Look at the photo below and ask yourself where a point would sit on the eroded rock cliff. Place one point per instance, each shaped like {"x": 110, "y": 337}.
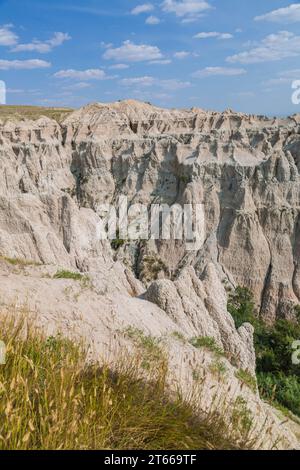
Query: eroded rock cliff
{"x": 244, "y": 170}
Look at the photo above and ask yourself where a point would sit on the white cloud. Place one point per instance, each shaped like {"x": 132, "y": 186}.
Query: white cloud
{"x": 181, "y": 54}
{"x": 90, "y": 74}
{"x": 290, "y": 14}
{"x": 218, "y": 71}
{"x": 43, "y": 47}
{"x": 78, "y": 86}
{"x": 7, "y": 36}
{"x": 146, "y": 81}
{"x": 119, "y": 67}
{"x": 274, "y": 47}
{"x": 284, "y": 78}
{"x": 213, "y": 34}
{"x": 161, "y": 62}
{"x": 15, "y": 91}
{"x": 23, "y": 64}
{"x": 189, "y": 10}
{"x": 130, "y": 52}
{"x": 152, "y": 20}
{"x": 173, "y": 84}
{"x": 138, "y": 81}
{"x": 145, "y": 8}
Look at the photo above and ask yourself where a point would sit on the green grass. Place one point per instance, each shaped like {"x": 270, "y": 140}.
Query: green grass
{"x": 179, "y": 336}
{"x": 246, "y": 378}
{"x": 148, "y": 346}
{"x": 218, "y": 368}
{"x": 51, "y": 399}
{"x": 19, "y": 261}
{"x": 70, "y": 275}
{"x": 20, "y": 113}
{"x": 207, "y": 343}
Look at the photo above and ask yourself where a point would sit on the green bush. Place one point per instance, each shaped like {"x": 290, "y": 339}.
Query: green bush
{"x": 281, "y": 389}
{"x": 117, "y": 243}
{"x": 241, "y": 306}
{"x": 278, "y": 378}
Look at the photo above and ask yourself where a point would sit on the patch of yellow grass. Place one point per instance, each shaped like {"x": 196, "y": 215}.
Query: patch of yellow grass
{"x": 32, "y": 112}
{"x": 51, "y": 399}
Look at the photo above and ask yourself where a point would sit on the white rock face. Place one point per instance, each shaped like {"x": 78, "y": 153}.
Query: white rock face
{"x": 243, "y": 169}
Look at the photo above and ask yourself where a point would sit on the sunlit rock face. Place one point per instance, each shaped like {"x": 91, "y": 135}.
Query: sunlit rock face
{"x": 242, "y": 170}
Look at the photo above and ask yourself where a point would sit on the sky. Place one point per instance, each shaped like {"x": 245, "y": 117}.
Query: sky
{"x": 212, "y": 54}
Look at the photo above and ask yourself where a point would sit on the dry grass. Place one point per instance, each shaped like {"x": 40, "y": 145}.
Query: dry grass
{"x": 19, "y": 262}
{"x": 50, "y": 399}
{"x": 20, "y": 113}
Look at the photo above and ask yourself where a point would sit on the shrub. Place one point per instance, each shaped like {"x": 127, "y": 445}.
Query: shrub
{"x": 278, "y": 378}
{"x": 117, "y": 243}
{"x": 297, "y": 312}
{"x": 241, "y": 306}
{"x": 281, "y": 389}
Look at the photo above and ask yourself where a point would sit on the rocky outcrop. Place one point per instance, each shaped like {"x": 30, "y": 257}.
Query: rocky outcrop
{"x": 199, "y": 308}
{"x": 243, "y": 169}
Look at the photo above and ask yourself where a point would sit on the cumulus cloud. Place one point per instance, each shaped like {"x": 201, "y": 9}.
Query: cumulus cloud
{"x": 284, "y": 78}
{"x": 43, "y": 47}
{"x": 152, "y": 20}
{"x": 161, "y": 62}
{"x": 174, "y": 84}
{"x": 274, "y": 47}
{"x": 90, "y": 74}
{"x": 140, "y": 81}
{"x": 77, "y": 86}
{"x": 182, "y": 54}
{"x": 130, "y": 52}
{"x": 23, "y": 64}
{"x": 144, "y": 8}
{"x": 218, "y": 71}
{"x": 213, "y": 34}
{"x": 290, "y": 14}
{"x": 148, "y": 81}
{"x": 188, "y": 10}
{"x": 7, "y": 36}
{"x": 119, "y": 67}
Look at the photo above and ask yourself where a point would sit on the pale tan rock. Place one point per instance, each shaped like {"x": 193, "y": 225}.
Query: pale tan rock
{"x": 244, "y": 169}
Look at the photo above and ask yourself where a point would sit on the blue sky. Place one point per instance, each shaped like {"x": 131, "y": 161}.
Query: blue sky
{"x": 214, "y": 54}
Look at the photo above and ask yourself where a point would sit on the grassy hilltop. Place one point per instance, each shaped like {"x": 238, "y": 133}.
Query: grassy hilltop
{"x": 32, "y": 112}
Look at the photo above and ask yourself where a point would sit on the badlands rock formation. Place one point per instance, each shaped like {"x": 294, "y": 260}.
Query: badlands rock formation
{"x": 244, "y": 170}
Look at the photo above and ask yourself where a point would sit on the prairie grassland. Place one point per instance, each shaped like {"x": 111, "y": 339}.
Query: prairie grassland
{"x": 20, "y": 113}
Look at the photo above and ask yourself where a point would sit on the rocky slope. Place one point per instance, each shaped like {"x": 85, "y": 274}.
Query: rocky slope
{"x": 243, "y": 169}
